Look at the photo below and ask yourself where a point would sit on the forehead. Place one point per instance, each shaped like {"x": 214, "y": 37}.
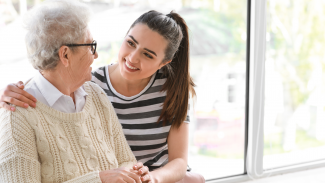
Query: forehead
{"x": 148, "y": 38}
{"x": 89, "y": 35}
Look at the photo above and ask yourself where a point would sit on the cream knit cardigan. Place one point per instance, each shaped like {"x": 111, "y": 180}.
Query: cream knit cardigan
{"x": 46, "y": 145}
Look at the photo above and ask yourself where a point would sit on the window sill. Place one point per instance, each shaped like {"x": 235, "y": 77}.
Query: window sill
{"x": 299, "y": 173}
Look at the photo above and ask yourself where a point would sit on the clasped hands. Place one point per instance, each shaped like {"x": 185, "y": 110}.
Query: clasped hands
{"x": 137, "y": 174}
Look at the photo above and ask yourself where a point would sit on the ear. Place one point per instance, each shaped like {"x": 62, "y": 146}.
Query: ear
{"x": 163, "y": 64}
{"x": 65, "y": 55}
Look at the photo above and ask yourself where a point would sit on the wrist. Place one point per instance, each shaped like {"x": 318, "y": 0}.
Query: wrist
{"x": 101, "y": 175}
{"x": 154, "y": 177}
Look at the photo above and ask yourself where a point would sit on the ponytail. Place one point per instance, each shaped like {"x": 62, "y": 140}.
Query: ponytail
{"x": 179, "y": 83}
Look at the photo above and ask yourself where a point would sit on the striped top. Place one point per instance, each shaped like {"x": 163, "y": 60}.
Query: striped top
{"x": 138, "y": 116}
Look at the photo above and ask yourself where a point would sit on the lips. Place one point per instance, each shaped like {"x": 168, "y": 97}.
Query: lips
{"x": 129, "y": 66}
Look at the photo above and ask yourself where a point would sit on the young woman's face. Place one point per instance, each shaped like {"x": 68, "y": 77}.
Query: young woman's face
{"x": 141, "y": 53}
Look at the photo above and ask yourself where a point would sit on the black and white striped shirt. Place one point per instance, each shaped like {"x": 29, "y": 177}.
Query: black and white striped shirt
{"x": 138, "y": 116}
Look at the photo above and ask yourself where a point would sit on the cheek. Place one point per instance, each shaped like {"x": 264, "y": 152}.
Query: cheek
{"x": 149, "y": 68}
{"x": 84, "y": 65}
{"x": 124, "y": 51}
{"x": 86, "y": 61}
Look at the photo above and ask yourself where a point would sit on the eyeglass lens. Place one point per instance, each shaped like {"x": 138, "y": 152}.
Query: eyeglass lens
{"x": 93, "y": 47}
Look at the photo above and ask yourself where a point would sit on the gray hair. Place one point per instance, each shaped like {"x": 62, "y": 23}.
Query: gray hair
{"x": 53, "y": 24}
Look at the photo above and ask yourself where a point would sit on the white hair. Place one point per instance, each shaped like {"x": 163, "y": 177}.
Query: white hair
{"x": 51, "y": 25}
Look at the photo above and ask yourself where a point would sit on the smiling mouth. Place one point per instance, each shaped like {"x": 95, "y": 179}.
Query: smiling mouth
{"x": 129, "y": 66}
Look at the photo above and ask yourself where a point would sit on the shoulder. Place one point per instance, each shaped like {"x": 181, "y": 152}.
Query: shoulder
{"x": 99, "y": 71}
{"x": 19, "y": 112}
{"x": 31, "y": 87}
{"x": 4, "y": 114}
{"x": 97, "y": 92}
{"x": 99, "y": 75}
{"x": 160, "y": 74}
{"x": 160, "y": 79}
{"x": 94, "y": 87}
{"x": 20, "y": 119}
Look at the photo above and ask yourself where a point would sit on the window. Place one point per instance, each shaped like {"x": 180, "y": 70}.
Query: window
{"x": 294, "y": 117}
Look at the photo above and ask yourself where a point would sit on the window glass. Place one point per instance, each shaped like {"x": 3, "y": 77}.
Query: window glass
{"x": 218, "y": 67}
{"x": 294, "y": 83}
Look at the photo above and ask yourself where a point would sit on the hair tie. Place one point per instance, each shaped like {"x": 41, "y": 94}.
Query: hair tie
{"x": 170, "y": 16}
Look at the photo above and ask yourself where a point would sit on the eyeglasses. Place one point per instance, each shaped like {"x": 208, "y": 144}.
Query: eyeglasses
{"x": 93, "y": 46}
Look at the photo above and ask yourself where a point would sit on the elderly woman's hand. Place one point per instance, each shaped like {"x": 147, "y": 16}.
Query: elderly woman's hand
{"x": 143, "y": 171}
{"x": 119, "y": 175}
{"x": 15, "y": 94}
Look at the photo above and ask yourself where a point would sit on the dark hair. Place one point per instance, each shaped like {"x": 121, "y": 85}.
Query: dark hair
{"x": 179, "y": 82}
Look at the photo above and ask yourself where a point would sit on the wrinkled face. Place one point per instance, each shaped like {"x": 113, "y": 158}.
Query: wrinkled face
{"x": 82, "y": 58}
{"x": 141, "y": 53}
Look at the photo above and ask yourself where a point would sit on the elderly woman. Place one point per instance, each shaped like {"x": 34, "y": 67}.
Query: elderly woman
{"x": 73, "y": 134}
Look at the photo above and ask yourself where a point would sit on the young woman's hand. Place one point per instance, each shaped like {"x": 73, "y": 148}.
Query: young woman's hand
{"x": 15, "y": 94}
{"x": 143, "y": 171}
{"x": 119, "y": 175}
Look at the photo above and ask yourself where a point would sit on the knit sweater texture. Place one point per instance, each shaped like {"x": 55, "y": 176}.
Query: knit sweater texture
{"x": 45, "y": 145}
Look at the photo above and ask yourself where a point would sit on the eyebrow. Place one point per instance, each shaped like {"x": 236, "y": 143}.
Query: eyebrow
{"x": 133, "y": 39}
{"x": 144, "y": 48}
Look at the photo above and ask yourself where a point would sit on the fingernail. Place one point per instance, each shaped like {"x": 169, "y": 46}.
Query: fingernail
{"x": 12, "y": 108}
{"x": 33, "y": 105}
{"x": 135, "y": 166}
{"x": 26, "y": 105}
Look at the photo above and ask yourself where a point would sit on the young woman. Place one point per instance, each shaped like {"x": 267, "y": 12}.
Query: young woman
{"x": 149, "y": 88}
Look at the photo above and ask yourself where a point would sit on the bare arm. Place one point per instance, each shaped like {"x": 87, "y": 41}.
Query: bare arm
{"x": 15, "y": 94}
{"x": 175, "y": 169}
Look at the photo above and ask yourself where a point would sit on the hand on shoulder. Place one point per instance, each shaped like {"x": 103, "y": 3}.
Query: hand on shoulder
{"x": 15, "y": 94}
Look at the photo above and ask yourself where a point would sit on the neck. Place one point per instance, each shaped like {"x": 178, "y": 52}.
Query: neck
{"x": 126, "y": 87}
{"x": 61, "y": 80}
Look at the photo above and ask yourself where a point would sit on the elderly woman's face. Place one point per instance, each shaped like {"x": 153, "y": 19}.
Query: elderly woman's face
{"x": 81, "y": 60}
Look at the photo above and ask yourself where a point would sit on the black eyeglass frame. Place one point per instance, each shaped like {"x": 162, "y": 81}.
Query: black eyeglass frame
{"x": 94, "y": 43}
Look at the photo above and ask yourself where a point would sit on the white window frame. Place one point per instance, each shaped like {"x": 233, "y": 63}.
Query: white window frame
{"x": 256, "y": 80}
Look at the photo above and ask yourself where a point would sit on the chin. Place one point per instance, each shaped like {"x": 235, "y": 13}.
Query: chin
{"x": 125, "y": 75}
{"x": 88, "y": 77}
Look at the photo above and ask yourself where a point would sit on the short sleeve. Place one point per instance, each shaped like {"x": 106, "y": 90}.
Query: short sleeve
{"x": 187, "y": 120}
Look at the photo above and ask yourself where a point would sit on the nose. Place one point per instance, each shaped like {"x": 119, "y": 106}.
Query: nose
{"x": 96, "y": 55}
{"x": 134, "y": 57}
